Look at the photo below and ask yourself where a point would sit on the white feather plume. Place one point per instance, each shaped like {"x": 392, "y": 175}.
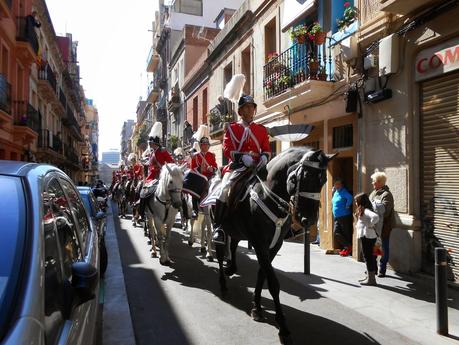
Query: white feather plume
{"x": 196, "y": 146}
{"x": 233, "y": 89}
{"x": 179, "y": 151}
{"x": 156, "y": 130}
{"x": 132, "y": 156}
{"x": 203, "y": 131}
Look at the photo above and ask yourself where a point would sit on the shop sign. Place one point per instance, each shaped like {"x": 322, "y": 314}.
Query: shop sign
{"x": 437, "y": 60}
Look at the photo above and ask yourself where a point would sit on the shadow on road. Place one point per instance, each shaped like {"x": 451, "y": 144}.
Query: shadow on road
{"x": 153, "y": 317}
{"x": 305, "y": 327}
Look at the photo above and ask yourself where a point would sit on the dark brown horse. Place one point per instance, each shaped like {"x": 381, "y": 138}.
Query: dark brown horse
{"x": 295, "y": 178}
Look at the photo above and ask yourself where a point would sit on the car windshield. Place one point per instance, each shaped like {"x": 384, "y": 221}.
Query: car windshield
{"x": 12, "y": 235}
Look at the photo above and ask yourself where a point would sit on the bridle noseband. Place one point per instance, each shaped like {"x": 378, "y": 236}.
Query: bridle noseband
{"x": 304, "y": 162}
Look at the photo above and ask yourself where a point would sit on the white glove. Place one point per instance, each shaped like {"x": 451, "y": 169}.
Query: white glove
{"x": 263, "y": 161}
{"x": 247, "y": 160}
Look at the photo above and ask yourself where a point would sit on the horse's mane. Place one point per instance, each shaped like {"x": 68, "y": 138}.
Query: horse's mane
{"x": 284, "y": 160}
{"x": 175, "y": 172}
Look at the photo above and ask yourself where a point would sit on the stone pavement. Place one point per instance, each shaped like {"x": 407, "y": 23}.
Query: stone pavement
{"x": 402, "y": 303}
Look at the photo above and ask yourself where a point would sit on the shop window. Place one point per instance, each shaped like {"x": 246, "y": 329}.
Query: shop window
{"x": 342, "y": 137}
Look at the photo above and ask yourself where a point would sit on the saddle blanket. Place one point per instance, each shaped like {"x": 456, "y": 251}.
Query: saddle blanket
{"x": 148, "y": 189}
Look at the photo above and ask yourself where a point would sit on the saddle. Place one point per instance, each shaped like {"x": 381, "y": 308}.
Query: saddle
{"x": 240, "y": 185}
{"x": 148, "y": 189}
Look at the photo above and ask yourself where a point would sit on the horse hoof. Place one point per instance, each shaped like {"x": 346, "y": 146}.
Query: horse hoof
{"x": 203, "y": 250}
{"x": 154, "y": 255}
{"x": 257, "y": 315}
{"x": 286, "y": 339}
{"x": 149, "y": 242}
{"x": 210, "y": 259}
{"x": 165, "y": 263}
{"x": 190, "y": 243}
{"x": 229, "y": 271}
{"x": 134, "y": 225}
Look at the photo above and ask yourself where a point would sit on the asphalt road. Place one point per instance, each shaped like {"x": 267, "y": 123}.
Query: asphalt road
{"x": 181, "y": 304}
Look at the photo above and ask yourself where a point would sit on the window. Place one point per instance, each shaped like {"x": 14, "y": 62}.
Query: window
{"x": 195, "y": 113}
{"x": 342, "y": 137}
{"x": 61, "y": 247}
{"x": 227, "y": 74}
{"x": 78, "y": 211}
{"x": 193, "y": 7}
{"x": 246, "y": 69}
{"x": 204, "y": 106}
{"x": 270, "y": 38}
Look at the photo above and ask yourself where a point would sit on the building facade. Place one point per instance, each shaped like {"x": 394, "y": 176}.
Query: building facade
{"x": 111, "y": 157}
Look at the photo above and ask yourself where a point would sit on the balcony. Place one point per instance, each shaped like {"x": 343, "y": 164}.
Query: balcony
{"x": 152, "y": 60}
{"x": 49, "y": 141}
{"x": 5, "y": 8}
{"x": 71, "y": 155}
{"x": 153, "y": 91}
{"x": 26, "y": 122}
{"x": 27, "y": 40}
{"x": 219, "y": 115}
{"x": 62, "y": 99}
{"x": 47, "y": 83}
{"x": 5, "y": 100}
{"x": 405, "y": 7}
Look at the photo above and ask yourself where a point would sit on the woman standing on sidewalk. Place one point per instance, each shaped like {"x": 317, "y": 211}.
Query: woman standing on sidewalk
{"x": 366, "y": 221}
{"x": 342, "y": 213}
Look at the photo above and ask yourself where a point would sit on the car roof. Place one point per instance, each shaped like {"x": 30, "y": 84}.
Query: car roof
{"x": 17, "y": 168}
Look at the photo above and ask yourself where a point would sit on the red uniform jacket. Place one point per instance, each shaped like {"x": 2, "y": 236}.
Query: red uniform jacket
{"x": 201, "y": 162}
{"x": 240, "y": 138}
{"x": 157, "y": 159}
{"x": 136, "y": 172}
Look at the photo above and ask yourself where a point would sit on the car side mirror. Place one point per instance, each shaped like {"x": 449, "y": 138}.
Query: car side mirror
{"x": 100, "y": 215}
{"x": 84, "y": 282}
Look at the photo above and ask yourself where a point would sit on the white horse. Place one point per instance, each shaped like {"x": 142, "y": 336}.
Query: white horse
{"x": 162, "y": 207}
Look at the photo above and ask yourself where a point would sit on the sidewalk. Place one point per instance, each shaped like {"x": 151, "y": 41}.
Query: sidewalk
{"x": 117, "y": 324}
{"x": 405, "y": 304}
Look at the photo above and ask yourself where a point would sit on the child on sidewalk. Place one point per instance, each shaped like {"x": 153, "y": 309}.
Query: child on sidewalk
{"x": 366, "y": 221}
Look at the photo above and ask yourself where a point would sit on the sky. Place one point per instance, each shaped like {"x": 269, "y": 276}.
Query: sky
{"x": 113, "y": 45}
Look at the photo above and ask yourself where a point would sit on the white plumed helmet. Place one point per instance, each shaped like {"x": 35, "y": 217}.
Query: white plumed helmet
{"x": 233, "y": 89}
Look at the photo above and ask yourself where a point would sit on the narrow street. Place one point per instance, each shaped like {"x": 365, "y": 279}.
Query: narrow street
{"x": 181, "y": 304}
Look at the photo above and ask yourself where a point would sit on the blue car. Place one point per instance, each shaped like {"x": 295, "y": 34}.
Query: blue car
{"x": 49, "y": 258}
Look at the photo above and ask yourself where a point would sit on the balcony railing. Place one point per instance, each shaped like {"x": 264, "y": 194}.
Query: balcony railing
{"x": 26, "y": 32}
{"x": 46, "y": 73}
{"x": 152, "y": 60}
{"x": 5, "y": 95}
{"x": 25, "y": 115}
{"x": 45, "y": 139}
{"x": 295, "y": 65}
{"x": 71, "y": 154}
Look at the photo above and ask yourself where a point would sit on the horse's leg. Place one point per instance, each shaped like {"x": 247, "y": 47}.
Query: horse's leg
{"x": 231, "y": 264}
{"x": 264, "y": 261}
{"x": 151, "y": 234}
{"x": 191, "y": 237}
{"x": 257, "y": 311}
{"x": 220, "y": 250}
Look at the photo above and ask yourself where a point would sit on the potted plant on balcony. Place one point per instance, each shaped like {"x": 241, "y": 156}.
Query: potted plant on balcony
{"x": 349, "y": 16}
{"x": 316, "y": 34}
{"x": 298, "y": 34}
{"x": 284, "y": 82}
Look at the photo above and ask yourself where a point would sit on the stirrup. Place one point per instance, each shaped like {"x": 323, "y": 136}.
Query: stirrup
{"x": 219, "y": 236}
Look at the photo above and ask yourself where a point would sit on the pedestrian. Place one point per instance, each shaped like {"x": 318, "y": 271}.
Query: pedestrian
{"x": 366, "y": 233}
{"x": 342, "y": 213}
{"x": 382, "y": 194}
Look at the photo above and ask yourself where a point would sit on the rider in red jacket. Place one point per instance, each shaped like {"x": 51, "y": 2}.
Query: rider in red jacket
{"x": 246, "y": 145}
{"x": 204, "y": 162}
{"x": 158, "y": 157}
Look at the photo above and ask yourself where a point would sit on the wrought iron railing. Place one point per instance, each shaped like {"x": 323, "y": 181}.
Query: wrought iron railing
{"x": 26, "y": 115}
{"x": 71, "y": 154}
{"x": 295, "y": 65}
{"x": 5, "y": 94}
{"x": 44, "y": 139}
{"x": 46, "y": 73}
{"x": 26, "y": 31}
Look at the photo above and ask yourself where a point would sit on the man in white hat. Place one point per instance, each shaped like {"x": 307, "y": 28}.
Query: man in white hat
{"x": 159, "y": 155}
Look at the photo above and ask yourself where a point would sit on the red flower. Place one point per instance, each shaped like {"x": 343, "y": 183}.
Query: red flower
{"x": 311, "y": 37}
{"x": 347, "y": 4}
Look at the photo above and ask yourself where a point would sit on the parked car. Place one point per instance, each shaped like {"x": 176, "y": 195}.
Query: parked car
{"x": 49, "y": 259}
{"x": 98, "y": 217}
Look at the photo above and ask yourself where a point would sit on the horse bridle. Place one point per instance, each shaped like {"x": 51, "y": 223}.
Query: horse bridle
{"x": 304, "y": 162}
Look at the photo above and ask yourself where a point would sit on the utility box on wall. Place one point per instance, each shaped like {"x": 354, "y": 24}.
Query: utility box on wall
{"x": 389, "y": 55}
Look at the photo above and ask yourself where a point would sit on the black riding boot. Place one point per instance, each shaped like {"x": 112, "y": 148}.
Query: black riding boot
{"x": 194, "y": 213}
{"x": 218, "y": 234}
